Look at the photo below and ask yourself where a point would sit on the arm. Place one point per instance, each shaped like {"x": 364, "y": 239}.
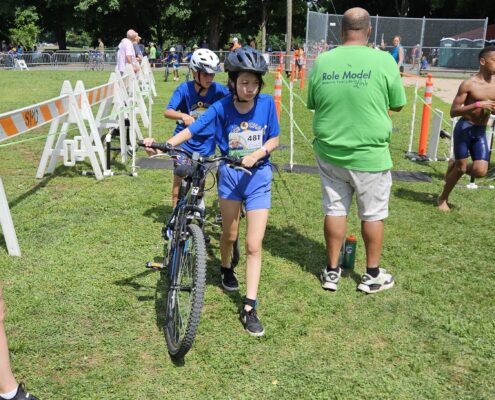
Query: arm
{"x": 183, "y": 136}
{"x": 251, "y": 159}
{"x": 458, "y": 108}
{"x": 401, "y": 56}
{"x": 177, "y": 115}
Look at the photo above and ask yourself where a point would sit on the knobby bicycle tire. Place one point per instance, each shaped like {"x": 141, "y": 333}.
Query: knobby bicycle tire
{"x": 188, "y": 287}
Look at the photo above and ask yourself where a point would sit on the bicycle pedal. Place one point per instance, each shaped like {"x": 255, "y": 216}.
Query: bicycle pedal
{"x": 154, "y": 265}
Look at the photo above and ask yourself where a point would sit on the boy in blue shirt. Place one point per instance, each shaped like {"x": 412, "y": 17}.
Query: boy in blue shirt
{"x": 189, "y": 101}
{"x": 173, "y": 60}
{"x": 244, "y": 124}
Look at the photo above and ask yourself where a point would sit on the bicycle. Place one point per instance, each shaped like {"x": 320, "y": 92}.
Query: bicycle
{"x": 185, "y": 255}
{"x": 94, "y": 61}
{"x": 167, "y": 71}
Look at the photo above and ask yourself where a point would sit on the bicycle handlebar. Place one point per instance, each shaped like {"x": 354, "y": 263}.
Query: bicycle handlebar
{"x": 232, "y": 161}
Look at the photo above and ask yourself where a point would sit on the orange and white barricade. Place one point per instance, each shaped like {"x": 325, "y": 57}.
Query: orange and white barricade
{"x": 78, "y": 148}
{"x": 8, "y": 225}
{"x": 277, "y": 93}
{"x": 425, "y": 119}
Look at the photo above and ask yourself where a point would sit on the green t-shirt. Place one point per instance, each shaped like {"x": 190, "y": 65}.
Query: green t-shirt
{"x": 351, "y": 90}
{"x": 152, "y": 52}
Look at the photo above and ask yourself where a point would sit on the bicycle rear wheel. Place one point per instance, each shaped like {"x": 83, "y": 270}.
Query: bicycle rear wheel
{"x": 186, "y": 292}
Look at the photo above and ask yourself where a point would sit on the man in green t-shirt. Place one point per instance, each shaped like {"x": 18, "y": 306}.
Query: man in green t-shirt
{"x": 152, "y": 55}
{"x": 352, "y": 89}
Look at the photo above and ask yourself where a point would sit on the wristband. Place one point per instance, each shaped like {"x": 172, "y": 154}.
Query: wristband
{"x": 478, "y": 104}
{"x": 267, "y": 153}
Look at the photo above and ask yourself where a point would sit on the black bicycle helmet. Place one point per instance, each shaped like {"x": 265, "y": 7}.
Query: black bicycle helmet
{"x": 246, "y": 59}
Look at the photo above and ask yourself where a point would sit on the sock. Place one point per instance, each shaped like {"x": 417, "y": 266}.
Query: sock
{"x": 333, "y": 269}
{"x": 373, "y": 272}
{"x": 9, "y": 395}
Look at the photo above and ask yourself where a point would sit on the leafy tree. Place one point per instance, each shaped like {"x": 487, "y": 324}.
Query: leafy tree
{"x": 25, "y": 30}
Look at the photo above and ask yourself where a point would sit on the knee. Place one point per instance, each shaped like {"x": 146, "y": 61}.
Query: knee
{"x": 479, "y": 172}
{"x": 253, "y": 248}
{"x": 461, "y": 169}
{"x": 229, "y": 236}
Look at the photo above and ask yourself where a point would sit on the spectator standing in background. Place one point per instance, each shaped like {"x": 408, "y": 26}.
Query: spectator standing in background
{"x": 397, "y": 52}
{"x": 180, "y": 50}
{"x": 235, "y": 44}
{"x": 138, "y": 48}
{"x": 126, "y": 54}
{"x": 203, "y": 44}
{"x": 152, "y": 54}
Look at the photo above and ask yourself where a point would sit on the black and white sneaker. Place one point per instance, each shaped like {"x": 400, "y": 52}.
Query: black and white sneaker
{"x": 383, "y": 281}
{"x": 21, "y": 394}
{"x": 251, "y": 322}
{"x": 229, "y": 281}
{"x": 329, "y": 279}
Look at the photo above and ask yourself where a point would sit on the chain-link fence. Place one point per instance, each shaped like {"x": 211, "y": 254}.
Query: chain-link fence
{"x": 442, "y": 44}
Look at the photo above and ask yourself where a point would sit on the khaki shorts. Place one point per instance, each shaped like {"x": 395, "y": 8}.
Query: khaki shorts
{"x": 338, "y": 185}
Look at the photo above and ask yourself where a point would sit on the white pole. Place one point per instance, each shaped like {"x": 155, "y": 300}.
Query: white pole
{"x": 133, "y": 124}
{"x": 7, "y": 225}
{"x": 291, "y": 122}
{"x": 149, "y": 107}
{"x": 413, "y": 118}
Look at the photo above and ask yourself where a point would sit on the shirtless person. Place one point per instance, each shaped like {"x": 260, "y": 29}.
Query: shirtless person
{"x": 474, "y": 102}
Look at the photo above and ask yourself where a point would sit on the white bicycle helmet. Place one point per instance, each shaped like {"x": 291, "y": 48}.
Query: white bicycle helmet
{"x": 172, "y": 49}
{"x": 204, "y": 60}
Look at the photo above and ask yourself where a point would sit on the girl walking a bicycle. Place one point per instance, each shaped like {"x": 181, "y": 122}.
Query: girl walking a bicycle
{"x": 242, "y": 124}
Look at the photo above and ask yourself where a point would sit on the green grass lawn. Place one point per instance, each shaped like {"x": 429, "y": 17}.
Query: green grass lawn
{"x": 85, "y": 318}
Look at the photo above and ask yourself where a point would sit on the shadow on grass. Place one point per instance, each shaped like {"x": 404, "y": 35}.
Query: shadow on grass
{"x": 422, "y": 197}
{"x": 133, "y": 283}
{"x": 298, "y": 248}
{"x": 59, "y": 171}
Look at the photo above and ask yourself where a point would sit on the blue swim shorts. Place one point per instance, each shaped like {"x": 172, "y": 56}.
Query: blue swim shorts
{"x": 470, "y": 139}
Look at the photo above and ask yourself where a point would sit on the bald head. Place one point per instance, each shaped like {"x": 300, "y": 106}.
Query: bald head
{"x": 355, "y": 19}
{"x": 131, "y": 34}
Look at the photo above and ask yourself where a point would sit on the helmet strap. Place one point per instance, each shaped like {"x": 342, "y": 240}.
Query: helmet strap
{"x": 198, "y": 82}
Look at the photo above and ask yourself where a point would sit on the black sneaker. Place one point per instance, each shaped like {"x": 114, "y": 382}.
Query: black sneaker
{"x": 21, "y": 394}
{"x": 229, "y": 281}
{"x": 251, "y": 322}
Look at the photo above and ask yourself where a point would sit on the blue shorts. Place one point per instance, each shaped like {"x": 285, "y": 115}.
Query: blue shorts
{"x": 254, "y": 190}
{"x": 470, "y": 139}
{"x": 181, "y": 159}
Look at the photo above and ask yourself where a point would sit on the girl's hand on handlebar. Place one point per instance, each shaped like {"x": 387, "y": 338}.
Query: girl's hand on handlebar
{"x": 148, "y": 142}
{"x": 248, "y": 161}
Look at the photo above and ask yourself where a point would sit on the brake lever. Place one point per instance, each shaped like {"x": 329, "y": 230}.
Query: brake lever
{"x": 241, "y": 168}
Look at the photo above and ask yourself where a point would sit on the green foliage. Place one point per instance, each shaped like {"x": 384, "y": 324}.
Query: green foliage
{"x": 25, "y": 30}
{"x": 78, "y": 39}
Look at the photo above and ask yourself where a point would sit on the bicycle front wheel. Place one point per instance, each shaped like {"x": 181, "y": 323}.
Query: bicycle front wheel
{"x": 186, "y": 292}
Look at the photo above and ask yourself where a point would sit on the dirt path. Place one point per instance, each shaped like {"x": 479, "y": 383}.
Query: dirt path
{"x": 446, "y": 89}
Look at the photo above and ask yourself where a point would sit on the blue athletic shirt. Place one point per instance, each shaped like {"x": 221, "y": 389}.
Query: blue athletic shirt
{"x": 235, "y": 133}
{"x": 172, "y": 59}
{"x": 186, "y": 100}
{"x": 395, "y": 54}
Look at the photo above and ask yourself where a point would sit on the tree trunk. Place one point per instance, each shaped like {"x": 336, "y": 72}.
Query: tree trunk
{"x": 214, "y": 34}
{"x": 61, "y": 35}
{"x": 264, "y": 21}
